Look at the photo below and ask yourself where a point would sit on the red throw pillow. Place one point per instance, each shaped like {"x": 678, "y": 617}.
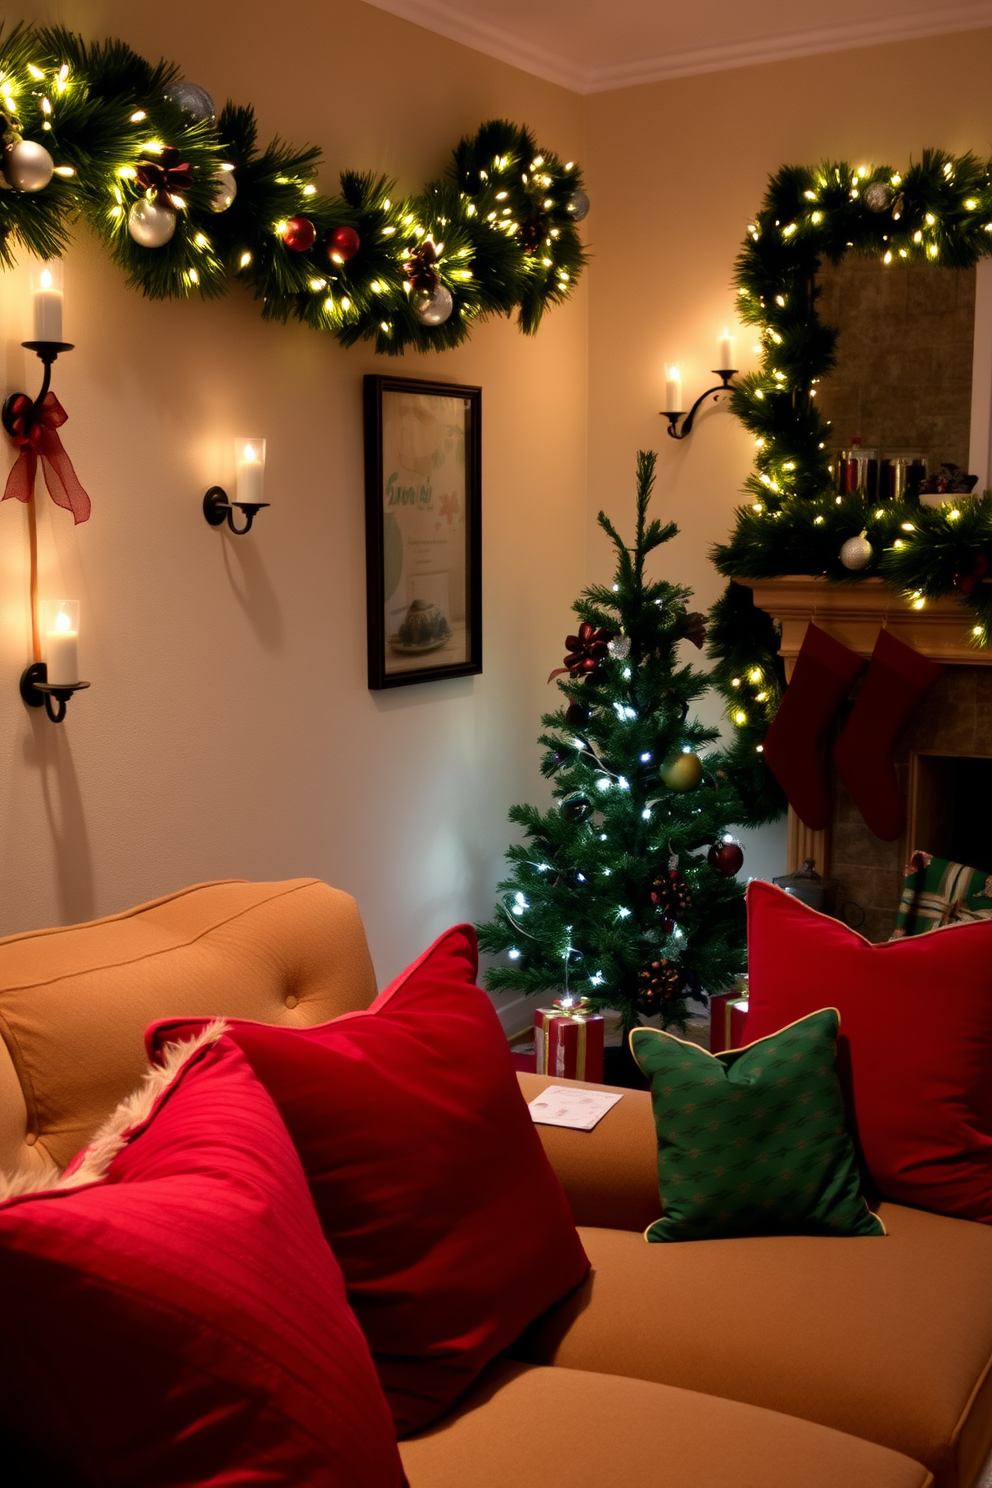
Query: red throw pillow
{"x": 172, "y": 1312}
{"x": 448, "y": 1222}
{"x": 916, "y": 1028}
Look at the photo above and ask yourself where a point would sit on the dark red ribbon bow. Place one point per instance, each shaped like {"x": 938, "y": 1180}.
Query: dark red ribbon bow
{"x": 966, "y": 580}
{"x": 36, "y": 436}
{"x": 419, "y": 268}
{"x": 585, "y": 652}
{"x": 167, "y": 176}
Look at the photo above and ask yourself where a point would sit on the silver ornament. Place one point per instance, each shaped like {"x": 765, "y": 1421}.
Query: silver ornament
{"x": 28, "y": 166}
{"x": 432, "y": 307}
{"x": 619, "y": 648}
{"x": 149, "y": 224}
{"x": 225, "y": 190}
{"x": 577, "y": 206}
{"x": 877, "y": 197}
{"x": 192, "y": 99}
{"x": 856, "y": 552}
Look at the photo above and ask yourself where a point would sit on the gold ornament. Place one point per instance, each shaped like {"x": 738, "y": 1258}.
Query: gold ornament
{"x": 683, "y": 772}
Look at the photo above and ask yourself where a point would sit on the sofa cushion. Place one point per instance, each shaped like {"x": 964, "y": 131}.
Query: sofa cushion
{"x": 533, "y": 1428}
{"x": 921, "y": 1091}
{"x": 890, "y": 1340}
{"x": 451, "y": 1229}
{"x": 177, "y": 1313}
{"x": 753, "y": 1141}
{"x": 75, "y": 1002}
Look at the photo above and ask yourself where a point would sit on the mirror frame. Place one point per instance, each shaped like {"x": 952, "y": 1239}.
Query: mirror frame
{"x": 938, "y": 211}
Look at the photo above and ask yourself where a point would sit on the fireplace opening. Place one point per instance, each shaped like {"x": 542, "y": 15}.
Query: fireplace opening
{"x": 951, "y": 808}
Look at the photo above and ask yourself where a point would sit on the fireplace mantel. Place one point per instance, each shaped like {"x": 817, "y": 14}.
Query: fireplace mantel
{"x": 854, "y": 614}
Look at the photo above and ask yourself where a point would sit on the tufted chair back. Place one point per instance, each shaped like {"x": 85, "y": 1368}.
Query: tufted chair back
{"x": 75, "y": 1001}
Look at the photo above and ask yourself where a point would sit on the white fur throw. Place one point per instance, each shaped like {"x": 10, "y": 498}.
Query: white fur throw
{"x": 112, "y": 1135}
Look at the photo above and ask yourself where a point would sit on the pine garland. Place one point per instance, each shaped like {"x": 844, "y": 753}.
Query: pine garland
{"x": 938, "y": 211}
{"x": 615, "y": 877}
{"x": 503, "y": 224}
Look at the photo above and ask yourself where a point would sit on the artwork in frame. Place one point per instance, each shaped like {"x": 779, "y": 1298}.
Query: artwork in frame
{"x": 423, "y": 539}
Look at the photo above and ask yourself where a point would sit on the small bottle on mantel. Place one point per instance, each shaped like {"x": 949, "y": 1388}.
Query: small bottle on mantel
{"x": 858, "y": 470}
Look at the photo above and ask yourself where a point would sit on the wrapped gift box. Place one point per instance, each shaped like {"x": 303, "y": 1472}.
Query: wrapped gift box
{"x": 568, "y": 1041}
{"x": 728, "y": 1018}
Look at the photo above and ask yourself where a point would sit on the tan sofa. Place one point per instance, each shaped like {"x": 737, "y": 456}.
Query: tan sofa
{"x": 860, "y": 1363}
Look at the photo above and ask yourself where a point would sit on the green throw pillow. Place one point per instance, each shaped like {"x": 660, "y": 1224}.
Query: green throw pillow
{"x": 753, "y": 1141}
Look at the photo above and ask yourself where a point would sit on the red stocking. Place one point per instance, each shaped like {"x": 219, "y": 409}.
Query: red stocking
{"x": 898, "y": 678}
{"x": 794, "y": 745}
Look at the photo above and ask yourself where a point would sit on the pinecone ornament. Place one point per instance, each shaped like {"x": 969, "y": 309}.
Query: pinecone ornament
{"x": 670, "y": 893}
{"x": 659, "y": 984}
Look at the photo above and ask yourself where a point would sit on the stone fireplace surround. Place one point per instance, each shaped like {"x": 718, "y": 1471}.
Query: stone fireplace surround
{"x": 955, "y": 719}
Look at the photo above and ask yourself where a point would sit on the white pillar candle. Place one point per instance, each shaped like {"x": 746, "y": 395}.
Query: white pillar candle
{"x": 250, "y": 470}
{"x": 673, "y": 390}
{"x": 47, "y": 300}
{"x": 62, "y": 651}
{"x": 725, "y": 355}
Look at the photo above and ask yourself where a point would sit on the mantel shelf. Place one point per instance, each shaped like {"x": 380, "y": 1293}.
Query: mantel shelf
{"x": 855, "y": 613}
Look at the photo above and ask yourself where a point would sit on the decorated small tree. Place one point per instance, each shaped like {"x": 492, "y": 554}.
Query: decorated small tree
{"x": 625, "y": 891}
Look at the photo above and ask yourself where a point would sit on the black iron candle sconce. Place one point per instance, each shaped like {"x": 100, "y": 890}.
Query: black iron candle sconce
{"x": 37, "y": 691}
{"x": 673, "y": 416}
{"x": 19, "y": 414}
{"x": 47, "y": 352}
{"x": 217, "y": 509}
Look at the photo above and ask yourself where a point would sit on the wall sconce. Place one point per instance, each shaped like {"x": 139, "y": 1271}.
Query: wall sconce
{"x": 673, "y": 389}
{"x": 249, "y": 467}
{"x": 46, "y": 305}
{"x": 57, "y": 676}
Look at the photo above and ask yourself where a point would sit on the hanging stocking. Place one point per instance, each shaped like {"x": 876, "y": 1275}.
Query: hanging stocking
{"x": 794, "y": 745}
{"x": 898, "y": 678}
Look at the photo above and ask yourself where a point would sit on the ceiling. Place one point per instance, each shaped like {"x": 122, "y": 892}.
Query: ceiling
{"x": 591, "y": 45}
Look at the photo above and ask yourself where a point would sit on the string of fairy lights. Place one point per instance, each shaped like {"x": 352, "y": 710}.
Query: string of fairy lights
{"x": 187, "y": 203}
{"x": 938, "y": 211}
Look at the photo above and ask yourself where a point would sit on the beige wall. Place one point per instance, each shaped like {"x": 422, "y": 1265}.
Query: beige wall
{"x": 229, "y": 729}
{"x": 675, "y": 171}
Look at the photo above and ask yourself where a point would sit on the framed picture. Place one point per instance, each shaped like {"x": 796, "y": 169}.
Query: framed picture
{"x": 423, "y": 539}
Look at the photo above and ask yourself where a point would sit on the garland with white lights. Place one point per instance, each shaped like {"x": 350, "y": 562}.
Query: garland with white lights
{"x": 186, "y": 203}
{"x": 938, "y": 211}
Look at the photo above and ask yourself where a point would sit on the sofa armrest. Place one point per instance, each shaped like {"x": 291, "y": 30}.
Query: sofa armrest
{"x": 610, "y": 1174}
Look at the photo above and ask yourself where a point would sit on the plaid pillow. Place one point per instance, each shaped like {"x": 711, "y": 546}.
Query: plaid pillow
{"x": 938, "y": 892}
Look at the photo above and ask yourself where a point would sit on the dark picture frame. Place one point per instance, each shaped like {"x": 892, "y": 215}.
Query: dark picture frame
{"x": 423, "y": 530}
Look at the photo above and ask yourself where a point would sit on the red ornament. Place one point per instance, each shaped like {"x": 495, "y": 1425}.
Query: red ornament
{"x": 966, "y": 578}
{"x": 726, "y": 857}
{"x": 342, "y": 244}
{"x": 299, "y": 234}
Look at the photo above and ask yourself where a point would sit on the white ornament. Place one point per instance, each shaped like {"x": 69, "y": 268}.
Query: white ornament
{"x": 619, "y": 648}
{"x": 28, "y": 166}
{"x": 225, "y": 190}
{"x": 432, "y": 307}
{"x": 149, "y": 224}
{"x": 857, "y": 552}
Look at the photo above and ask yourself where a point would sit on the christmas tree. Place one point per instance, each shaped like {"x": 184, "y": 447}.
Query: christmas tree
{"x": 625, "y": 891}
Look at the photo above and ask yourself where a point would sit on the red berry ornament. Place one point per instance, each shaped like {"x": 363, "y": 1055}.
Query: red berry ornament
{"x": 342, "y": 244}
{"x": 726, "y": 857}
{"x": 299, "y": 234}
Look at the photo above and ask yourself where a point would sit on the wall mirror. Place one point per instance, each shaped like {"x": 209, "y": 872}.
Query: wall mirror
{"x": 902, "y": 382}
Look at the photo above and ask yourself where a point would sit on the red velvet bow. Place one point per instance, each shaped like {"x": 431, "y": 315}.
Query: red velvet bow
{"x": 585, "y": 652}
{"x": 977, "y": 574}
{"x": 36, "y": 436}
{"x": 166, "y": 177}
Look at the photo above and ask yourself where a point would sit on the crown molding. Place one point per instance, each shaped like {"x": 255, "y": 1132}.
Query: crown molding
{"x": 506, "y": 46}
